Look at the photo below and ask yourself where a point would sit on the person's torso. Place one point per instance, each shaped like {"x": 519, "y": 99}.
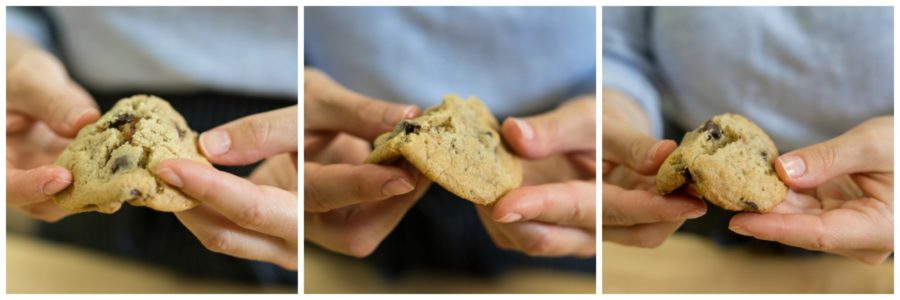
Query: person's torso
{"x": 229, "y": 49}
{"x": 803, "y": 74}
{"x": 518, "y": 60}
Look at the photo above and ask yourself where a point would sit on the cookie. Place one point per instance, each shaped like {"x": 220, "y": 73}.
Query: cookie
{"x": 457, "y": 145}
{"x": 727, "y": 161}
{"x": 112, "y": 160}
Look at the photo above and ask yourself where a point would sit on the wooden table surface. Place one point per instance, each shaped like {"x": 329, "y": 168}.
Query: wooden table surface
{"x": 690, "y": 264}
{"x": 37, "y": 266}
{"x": 332, "y": 273}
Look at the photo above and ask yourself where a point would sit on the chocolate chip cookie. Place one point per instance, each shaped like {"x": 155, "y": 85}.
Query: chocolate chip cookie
{"x": 112, "y": 160}
{"x": 457, "y": 145}
{"x": 728, "y": 161}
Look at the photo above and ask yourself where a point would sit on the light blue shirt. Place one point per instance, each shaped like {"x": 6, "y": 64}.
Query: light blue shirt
{"x": 518, "y": 60}
{"x": 804, "y": 74}
{"x": 249, "y": 50}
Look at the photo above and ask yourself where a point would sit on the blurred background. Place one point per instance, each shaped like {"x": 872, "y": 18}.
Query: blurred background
{"x": 687, "y": 263}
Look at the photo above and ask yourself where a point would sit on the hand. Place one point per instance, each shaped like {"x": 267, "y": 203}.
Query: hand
{"x": 44, "y": 108}
{"x": 350, "y": 207}
{"x": 842, "y": 196}
{"x": 634, "y": 213}
{"x": 239, "y": 217}
{"x": 553, "y": 213}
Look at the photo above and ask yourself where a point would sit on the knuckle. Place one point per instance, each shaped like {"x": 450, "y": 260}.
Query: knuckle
{"x": 635, "y": 151}
{"x": 260, "y": 132}
{"x": 254, "y": 216}
{"x": 312, "y": 199}
{"x": 824, "y": 243}
{"x": 612, "y": 216}
{"x": 220, "y": 241}
{"x": 538, "y": 244}
{"x": 827, "y": 157}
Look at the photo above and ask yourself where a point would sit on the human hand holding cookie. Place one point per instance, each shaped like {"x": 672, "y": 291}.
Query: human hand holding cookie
{"x": 551, "y": 214}
{"x": 841, "y": 199}
{"x": 45, "y": 108}
{"x": 350, "y": 207}
{"x": 634, "y": 213}
{"x": 239, "y": 217}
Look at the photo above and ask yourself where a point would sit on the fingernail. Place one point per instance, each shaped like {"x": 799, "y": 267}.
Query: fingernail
{"x": 509, "y": 218}
{"x": 525, "y": 128}
{"x": 738, "y": 229}
{"x": 54, "y": 186}
{"x": 793, "y": 165}
{"x": 396, "y": 115}
{"x": 75, "y": 115}
{"x": 214, "y": 143}
{"x": 396, "y": 187}
{"x": 693, "y": 214}
{"x": 170, "y": 177}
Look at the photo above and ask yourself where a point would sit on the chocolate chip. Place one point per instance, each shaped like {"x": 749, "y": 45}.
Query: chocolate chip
{"x": 178, "y": 129}
{"x": 765, "y": 154}
{"x": 121, "y": 120}
{"x": 121, "y": 162}
{"x": 410, "y": 127}
{"x": 135, "y": 192}
{"x": 715, "y": 132}
{"x": 750, "y": 205}
{"x": 687, "y": 175}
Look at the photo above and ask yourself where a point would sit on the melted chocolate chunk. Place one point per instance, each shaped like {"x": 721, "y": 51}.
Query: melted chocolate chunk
{"x": 715, "y": 132}
{"x": 750, "y": 205}
{"x": 687, "y": 175}
{"x": 410, "y": 127}
{"x": 121, "y": 120}
{"x": 178, "y": 129}
{"x": 121, "y": 162}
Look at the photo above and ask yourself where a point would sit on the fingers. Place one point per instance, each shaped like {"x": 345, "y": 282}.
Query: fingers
{"x": 218, "y": 234}
{"x": 569, "y": 203}
{"x": 260, "y": 208}
{"x": 623, "y": 207}
{"x": 331, "y": 107}
{"x": 35, "y": 185}
{"x": 636, "y": 150}
{"x": 39, "y": 87}
{"x": 834, "y": 231}
{"x": 571, "y": 127}
{"x": 46, "y": 211}
{"x": 865, "y": 148}
{"x": 357, "y": 230}
{"x": 327, "y": 187}
{"x": 252, "y": 138}
{"x": 539, "y": 239}
{"x": 643, "y": 235}
{"x": 31, "y": 191}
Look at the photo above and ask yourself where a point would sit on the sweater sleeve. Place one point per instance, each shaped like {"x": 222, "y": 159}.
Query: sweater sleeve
{"x": 627, "y": 61}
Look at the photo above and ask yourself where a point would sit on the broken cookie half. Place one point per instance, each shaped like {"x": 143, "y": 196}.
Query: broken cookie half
{"x": 728, "y": 161}
{"x": 457, "y": 145}
{"x": 112, "y": 160}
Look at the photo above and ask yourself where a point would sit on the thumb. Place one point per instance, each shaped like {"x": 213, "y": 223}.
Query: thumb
{"x": 249, "y": 139}
{"x": 865, "y": 148}
{"x": 569, "y": 128}
{"x": 331, "y": 107}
